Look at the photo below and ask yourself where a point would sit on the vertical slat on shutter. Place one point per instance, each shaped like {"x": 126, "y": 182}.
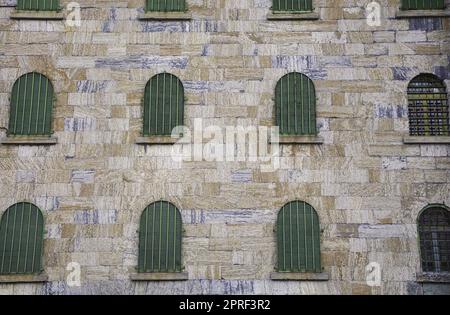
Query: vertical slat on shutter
{"x": 38, "y": 5}
{"x": 30, "y": 110}
{"x": 21, "y": 231}
{"x": 163, "y": 105}
{"x": 423, "y": 4}
{"x": 298, "y": 238}
{"x": 295, "y": 102}
{"x": 165, "y": 5}
{"x": 292, "y": 5}
{"x": 160, "y": 221}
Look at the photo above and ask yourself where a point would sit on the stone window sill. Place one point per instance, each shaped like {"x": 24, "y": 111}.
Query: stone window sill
{"x": 299, "y": 140}
{"x": 171, "y": 16}
{"x": 426, "y": 140}
{"x": 299, "y": 276}
{"x": 291, "y": 16}
{"x": 176, "y": 276}
{"x": 29, "y": 140}
{"x": 36, "y": 15}
{"x": 433, "y": 277}
{"x": 23, "y": 278}
{"x": 405, "y": 14}
{"x": 164, "y": 140}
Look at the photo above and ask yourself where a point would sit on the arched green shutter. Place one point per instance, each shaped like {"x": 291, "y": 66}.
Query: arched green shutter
{"x": 21, "y": 239}
{"x": 434, "y": 236}
{"x": 423, "y": 4}
{"x": 163, "y": 105}
{"x": 428, "y": 109}
{"x": 295, "y": 103}
{"x": 165, "y": 5}
{"x": 292, "y": 5}
{"x": 298, "y": 238}
{"x": 31, "y": 105}
{"x": 38, "y": 5}
{"x": 160, "y": 238}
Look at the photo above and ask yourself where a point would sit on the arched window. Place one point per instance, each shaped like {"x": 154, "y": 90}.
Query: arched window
{"x": 38, "y": 5}
{"x": 295, "y": 103}
{"x": 298, "y": 238}
{"x": 423, "y": 5}
{"x": 21, "y": 239}
{"x": 428, "y": 106}
{"x": 163, "y": 105}
{"x": 165, "y": 5}
{"x": 160, "y": 238}
{"x": 292, "y": 5}
{"x": 434, "y": 236}
{"x": 31, "y": 106}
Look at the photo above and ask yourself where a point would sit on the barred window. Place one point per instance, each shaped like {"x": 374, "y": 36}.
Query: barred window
{"x": 165, "y": 6}
{"x": 428, "y": 106}
{"x": 423, "y": 4}
{"x": 38, "y": 5}
{"x": 31, "y": 106}
{"x": 21, "y": 239}
{"x": 163, "y": 105}
{"x": 295, "y": 103}
{"x": 434, "y": 235}
{"x": 292, "y": 5}
{"x": 160, "y": 238}
{"x": 298, "y": 238}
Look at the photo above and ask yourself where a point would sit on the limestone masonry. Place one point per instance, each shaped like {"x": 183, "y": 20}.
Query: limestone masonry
{"x": 367, "y": 186}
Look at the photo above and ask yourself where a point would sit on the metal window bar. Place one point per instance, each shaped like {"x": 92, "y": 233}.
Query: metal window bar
{"x": 434, "y": 236}
{"x": 38, "y": 5}
{"x": 428, "y": 109}
{"x": 423, "y": 4}
{"x": 31, "y": 106}
{"x": 163, "y": 105}
{"x": 160, "y": 238}
{"x": 295, "y": 104}
{"x": 298, "y": 238}
{"x": 21, "y": 239}
{"x": 165, "y": 6}
{"x": 292, "y": 5}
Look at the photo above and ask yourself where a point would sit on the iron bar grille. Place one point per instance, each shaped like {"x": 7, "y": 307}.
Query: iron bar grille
{"x": 38, "y": 5}
{"x": 163, "y": 105}
{"x": 21, "y": 239}
{"x": 423, "y": 4}
{"x": 292, "y": 5}
{"x": 434, "y": 235}
{"x": 160, "y": 238}
{"x": 298, "y": 237}
{"x": 295, "y": 102}
{"x": 428, "y": 106}
{"x": 165, "y": 6}
{"x": 31, "y": 105}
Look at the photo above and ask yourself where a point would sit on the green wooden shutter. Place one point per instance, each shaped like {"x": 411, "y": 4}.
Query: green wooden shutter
{"x": 295, "y": 102}
{"x": 298, "y": 238}
{"x": 160, "y": 238}
{"x": 38, "y": 5}
{"x": 423, "y": 4}
{"x": 21, "y": 239}
{"x": 31, "y": 105}
{"x": 166, "y": 5}
{"x": 428, "y": 108}
{"x": 163, "y": 105}
{"x": 292, "y": 5}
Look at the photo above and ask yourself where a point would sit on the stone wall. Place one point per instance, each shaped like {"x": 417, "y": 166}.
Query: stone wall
{"x": 366, "y": 185}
